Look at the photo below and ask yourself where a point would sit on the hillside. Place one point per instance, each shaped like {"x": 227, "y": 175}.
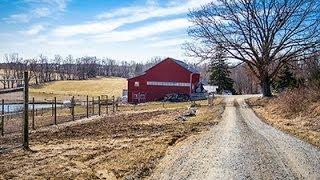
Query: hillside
{"x": 103, "y": 86}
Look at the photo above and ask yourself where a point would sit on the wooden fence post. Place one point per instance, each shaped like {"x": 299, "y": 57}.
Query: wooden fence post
{"x": 25, "y": 111}
{"x": 99, "y": 106}
{"x": 117, "y": 104}
{"x": 92, "y": 105}
{"x": 52, "y": 104}
{"x": 33, "y": 127}
{"x": 55, "y": 110}
{"x": 72, "y": 107}
{"x": 2, "y": 117}
{"x": 87, "y": 106}
{"x": 107, "y": 105}
{"x": 113, "y": 104}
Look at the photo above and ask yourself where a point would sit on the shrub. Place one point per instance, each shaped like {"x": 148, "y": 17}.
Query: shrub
{"x": 298, "y": 100}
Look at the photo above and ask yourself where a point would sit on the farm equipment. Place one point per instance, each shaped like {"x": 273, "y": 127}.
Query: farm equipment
{"x": 176, "y": 97}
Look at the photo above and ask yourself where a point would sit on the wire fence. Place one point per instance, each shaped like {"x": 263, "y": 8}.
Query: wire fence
{"x": 20, "y": 122}
{"x": 54, "y": 112}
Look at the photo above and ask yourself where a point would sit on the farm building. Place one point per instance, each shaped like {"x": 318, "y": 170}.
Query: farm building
{"x": 168, "y": 76}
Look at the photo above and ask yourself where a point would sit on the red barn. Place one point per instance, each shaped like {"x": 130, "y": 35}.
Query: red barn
{"x": 168, "y": 76}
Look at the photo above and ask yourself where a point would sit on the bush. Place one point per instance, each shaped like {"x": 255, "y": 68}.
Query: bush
{"x": 298, "y": 100}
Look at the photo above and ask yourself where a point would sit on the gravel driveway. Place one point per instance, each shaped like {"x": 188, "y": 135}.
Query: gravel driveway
{"x": 241, "y": 147}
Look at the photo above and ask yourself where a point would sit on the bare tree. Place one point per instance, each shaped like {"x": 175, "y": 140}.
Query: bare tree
{"x": 244, "y": 81}
{"x": 263, "y": 34}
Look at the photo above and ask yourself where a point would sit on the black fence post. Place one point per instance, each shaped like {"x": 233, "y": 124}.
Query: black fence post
{"x": 33, "y": 127}
{"x": 55, "y": 110}
{"x": 113, "y": 107}
{"x": 72, "y": 107}
{"x": 2, "y": 117}
{"x": 87, "y": 106}
{"x": 117, "y": 104}
{"x": 25, "y": 112}
{"x": 107, "y": 105}
{"x": 99, "y": 106}
{"x": 92, "y": 105}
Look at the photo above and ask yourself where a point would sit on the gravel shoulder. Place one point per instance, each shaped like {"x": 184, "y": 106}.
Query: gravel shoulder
{"x": 241, "y": 146}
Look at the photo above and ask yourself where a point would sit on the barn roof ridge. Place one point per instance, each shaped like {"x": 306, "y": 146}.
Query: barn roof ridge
{"x": 185, "y": 65}
{"x": 179, "y": 62}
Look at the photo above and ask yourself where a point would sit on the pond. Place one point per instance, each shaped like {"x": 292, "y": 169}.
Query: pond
{"x": 9, "y": 108}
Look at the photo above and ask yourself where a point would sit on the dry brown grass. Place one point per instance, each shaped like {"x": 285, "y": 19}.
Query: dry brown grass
{"x": 123, "y": 146}
{"x": 64, "y": 90}
{"x": 296, "y": 112}
{"x": 112, "y": 86}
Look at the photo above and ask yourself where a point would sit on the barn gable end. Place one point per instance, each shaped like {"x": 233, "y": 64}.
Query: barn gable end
{"x": 168, "y": 76}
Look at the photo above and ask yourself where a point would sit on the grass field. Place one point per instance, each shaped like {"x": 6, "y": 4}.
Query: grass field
{"x": 103, "y": 86}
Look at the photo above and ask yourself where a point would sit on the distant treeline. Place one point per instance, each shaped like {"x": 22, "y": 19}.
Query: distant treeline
{"x": 42, "y": 69}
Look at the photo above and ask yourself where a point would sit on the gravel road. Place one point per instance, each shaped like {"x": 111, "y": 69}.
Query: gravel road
{"x": 241, "y": 147}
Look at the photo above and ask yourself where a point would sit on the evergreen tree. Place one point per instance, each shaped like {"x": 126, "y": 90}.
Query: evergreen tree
{"x": 285, "y": 80}
{"x": 219, "y": 72}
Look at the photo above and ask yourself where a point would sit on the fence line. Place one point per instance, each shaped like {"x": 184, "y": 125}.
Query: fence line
{"x": 57, "y": 112}
{"x": 60, "y": 112}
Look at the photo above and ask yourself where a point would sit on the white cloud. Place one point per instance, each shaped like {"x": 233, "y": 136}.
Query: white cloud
{"x": 145, "y": 31}
{"x": 41, "y": 12}
{"x": 43, "y": 39}
{"x": 66, "y": 42}
{"x": 168, "y": 42}
{"x": 110, "y": 21}
{"x": 17, "y": 18}
{"x": 153, "y": 10}
{"x": 34, "y": 30}
{"x": 59, "y": 4}
{"x": 89, "y": 28}
{"x": 41, "y": 8}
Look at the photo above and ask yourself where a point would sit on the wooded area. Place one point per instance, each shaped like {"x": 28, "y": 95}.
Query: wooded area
{"x": 42, "y": 69}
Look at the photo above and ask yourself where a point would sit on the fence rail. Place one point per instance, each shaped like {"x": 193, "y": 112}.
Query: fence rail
{"x": 11, "y": 90}
{"x": 11, "y": 79}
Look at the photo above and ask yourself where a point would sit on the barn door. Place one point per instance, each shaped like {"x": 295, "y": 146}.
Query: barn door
{"x": 139, "y": 97}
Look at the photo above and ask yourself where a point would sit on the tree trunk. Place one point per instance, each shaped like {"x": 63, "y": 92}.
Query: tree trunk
{"x": 266, "y": 87}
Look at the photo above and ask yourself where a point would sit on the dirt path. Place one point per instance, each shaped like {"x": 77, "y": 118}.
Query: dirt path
{"x": 241, "y": 147}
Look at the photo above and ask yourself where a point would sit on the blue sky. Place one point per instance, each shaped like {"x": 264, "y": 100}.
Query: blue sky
{"x": 121, "y": 29}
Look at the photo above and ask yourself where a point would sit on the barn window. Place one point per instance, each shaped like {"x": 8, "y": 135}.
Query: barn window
{"x": 159, "y": 83}
{"x": 136, "y": 84}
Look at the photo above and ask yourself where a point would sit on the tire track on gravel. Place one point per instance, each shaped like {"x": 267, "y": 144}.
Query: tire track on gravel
{"x": 241, "y": 147}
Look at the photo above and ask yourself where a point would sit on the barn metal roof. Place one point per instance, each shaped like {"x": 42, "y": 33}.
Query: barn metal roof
{"x": 180, "y": 63}
{"x": 186, "y": 66}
